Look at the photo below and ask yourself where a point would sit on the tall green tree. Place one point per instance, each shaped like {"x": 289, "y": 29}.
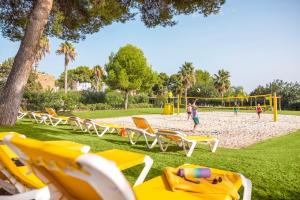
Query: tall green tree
{"x": 72, "y": 20}
{"x": 5, "y": 68}
{"x": 161, "y": 86}
{"x": 187, "y": 77}
{"x": 98, "y": 76}
{"x": 204, "y": 86}
{"x": 222, "y": 82}
{"x": 175, "y": 84}
{"x": 79, "y": 74}
{"x": 128, "y": 71}
{"x": 288, "y": 91}
{"x": 69, "y": 51}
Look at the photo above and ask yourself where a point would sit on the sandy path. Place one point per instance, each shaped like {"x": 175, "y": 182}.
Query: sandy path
{"x": 233, "y": 131}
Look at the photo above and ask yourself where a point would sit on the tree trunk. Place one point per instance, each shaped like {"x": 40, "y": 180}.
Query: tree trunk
{"x": 12, "y": 93}
{"x": 222, "y": 94}
{"x": 185, "y": 97}
{"x": 66, "y": 78}
{"x": 126, "y": 100}
{"x": 97, "y": 85}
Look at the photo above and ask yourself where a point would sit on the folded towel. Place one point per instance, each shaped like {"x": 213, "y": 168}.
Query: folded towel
{"x": 205, "y": 186}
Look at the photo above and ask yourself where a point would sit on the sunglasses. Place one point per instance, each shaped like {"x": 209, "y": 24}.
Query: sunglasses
{"x": 213, "y": 181}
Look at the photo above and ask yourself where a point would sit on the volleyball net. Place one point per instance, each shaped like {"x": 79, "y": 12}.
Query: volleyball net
{"x": 266, "y": 101}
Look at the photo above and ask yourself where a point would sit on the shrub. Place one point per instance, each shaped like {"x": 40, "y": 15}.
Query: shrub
{"x": 103, "y": 106}
{"x": 82, "y": 106}
{"x": 142, "y": 98}
{"x": 40, "y": 100}
{"x": 140, "y": 105}
{"x": 295, "y": 106}
{"x": 114, "y": 98}
{"x": 91, "y": 97}
{"x": 71, "y": 100}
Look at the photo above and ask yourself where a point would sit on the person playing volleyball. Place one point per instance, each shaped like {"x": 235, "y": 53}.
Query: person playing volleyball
{"x": 195, "y": 116}
{"x": 236, "y": 109}
{"x": 258, "y": 110}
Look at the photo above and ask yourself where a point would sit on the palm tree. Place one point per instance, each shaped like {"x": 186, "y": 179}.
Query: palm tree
{"x": 187, "y": 77}
{"x": 98, "y": 74}
{"x": 69, "y": 51}
{"x": 222, "y": 82}
{"x": 42, "y": 48}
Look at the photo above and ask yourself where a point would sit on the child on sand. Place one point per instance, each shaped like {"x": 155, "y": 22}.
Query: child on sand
{"x": 258, "y": 110}
{"x": 189, "y": 110}
{"x": 195, "y": 116}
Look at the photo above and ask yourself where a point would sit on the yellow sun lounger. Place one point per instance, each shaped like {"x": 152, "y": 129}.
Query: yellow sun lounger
{"x": 21, "y": 113}
{"x": 39, "y": 117}
{"x": 75, "y": 122}
{"x": 143, "y": 129}
{"x": 188, "y": 143}
{"x": 104, "y": 127}
{"x": 17, "y": 178}
{"x": 123, "y": 159}
{"x": 71, "y": 174}
{"x": 54, "y": 118}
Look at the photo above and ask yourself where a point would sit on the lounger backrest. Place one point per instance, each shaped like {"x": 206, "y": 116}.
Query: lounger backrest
{"x": 51, "y": 111}
{"x": 142, "y": 123}
{"x": 11, "y": 162}
{"x": 72, "y": 174}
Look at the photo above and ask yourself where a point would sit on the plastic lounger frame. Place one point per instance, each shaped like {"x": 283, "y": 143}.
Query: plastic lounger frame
{"x": 141, "y": 133}
{"x": 93, "y": 126}
{"x": 188, "y": 145}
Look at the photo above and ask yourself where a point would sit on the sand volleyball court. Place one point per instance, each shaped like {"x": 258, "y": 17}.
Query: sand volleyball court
{"x": 233, "y": 131}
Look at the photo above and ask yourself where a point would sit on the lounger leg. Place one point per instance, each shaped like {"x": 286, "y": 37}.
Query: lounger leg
{"x": 194, "y": 143}
{"x": 153, "y": 143}
{"x": 55, "y": 124}
{"x": 88, "y": 128}
{"x": 247, "y": 184}
{"x": 82, "y": 129}
{"x": 34, "y": 117}
{"x": 44, "y": 118}
{"x": 40, "y": 194}
{"x": 162, "y": 148}
{"x": 147, "y": 142}
{"x": 148, "y": 164}
{"x": 214, "y": 148}
{"x": 130, "y": 137}
{"x": 103, "y": 132}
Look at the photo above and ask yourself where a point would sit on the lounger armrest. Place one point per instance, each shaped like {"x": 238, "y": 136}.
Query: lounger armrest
{"x": 247, "y": 184}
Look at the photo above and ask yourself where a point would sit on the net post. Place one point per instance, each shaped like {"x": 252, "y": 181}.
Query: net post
{"x": 271, "y": 103}
{"x": 178, "y": 104}
{"x": 275, "y": 113}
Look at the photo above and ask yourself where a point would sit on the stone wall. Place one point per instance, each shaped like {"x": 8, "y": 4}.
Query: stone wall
{"x": 46, "y": 80}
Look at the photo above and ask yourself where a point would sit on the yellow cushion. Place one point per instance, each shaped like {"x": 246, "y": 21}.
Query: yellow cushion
{"x": 123, "y": 159}
{"x": 201, "y": 138}
{"x": 158, "y": 188}
{"x": 67, "y": 144}
{"x": 109, "y": 125}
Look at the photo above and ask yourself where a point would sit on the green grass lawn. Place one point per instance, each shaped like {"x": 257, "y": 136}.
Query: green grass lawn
{"x": 272, "y": 165}
{"x": 141, "y": 111}
{"x": 117, "y": 113}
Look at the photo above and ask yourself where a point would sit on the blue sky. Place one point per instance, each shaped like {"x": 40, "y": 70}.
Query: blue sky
{"x": 257, "y": 41}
